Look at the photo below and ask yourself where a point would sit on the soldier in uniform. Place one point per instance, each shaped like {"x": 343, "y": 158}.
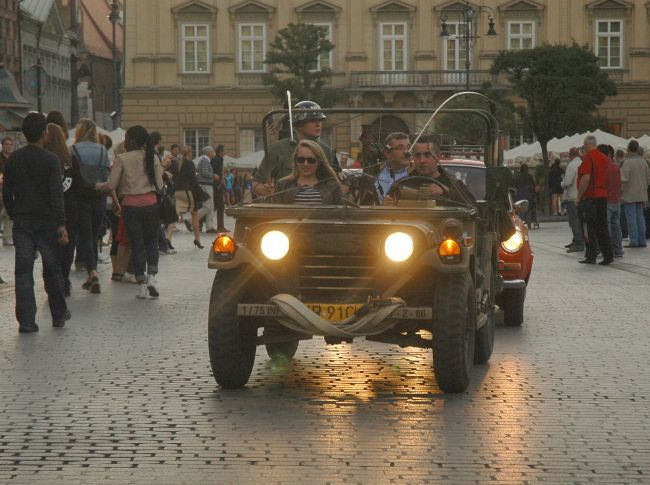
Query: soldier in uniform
{"x": 278, "y": 160}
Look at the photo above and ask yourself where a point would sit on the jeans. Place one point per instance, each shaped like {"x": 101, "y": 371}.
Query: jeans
{"x": 72, "y": 226}
{"x": 142, "y": 225}
{"x": 614, "y": 226}
{"x": 597, "y": 233}
{"x": 575, "y": 224}
{"x": 90, "y": 218}
{"x": 635, "y": 223}
{"x": 29, "y": 237}
{"x": 207, "y": 209}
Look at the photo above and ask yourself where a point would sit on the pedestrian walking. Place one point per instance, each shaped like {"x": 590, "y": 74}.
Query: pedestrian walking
{"x": 217, "y": 186}
{"x": 592, "y": 202}
{"x": 206, "y": 178}
{"x": 635, "y": 178}
{"x": 33, "y": 198}
{"x": 525, "y": 190}
{"x": 91, "y": 160}
{"x": 555, "y": 174}
{"x": 613, "y": 201}
{"x": 137, "y": 177}
{"x": 570, "y": 186}
{"x": 5, "y": 220}
{"x": 185, "y": 185}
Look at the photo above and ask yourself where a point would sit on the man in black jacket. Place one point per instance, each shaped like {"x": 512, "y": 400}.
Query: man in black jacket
{"x": 217, "y": 168}
{"x": 33, "y": 197}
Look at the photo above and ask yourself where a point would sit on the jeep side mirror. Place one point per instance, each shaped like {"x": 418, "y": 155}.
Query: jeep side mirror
{"x": 521, "y": 206}
{"x": 499, "y": 180}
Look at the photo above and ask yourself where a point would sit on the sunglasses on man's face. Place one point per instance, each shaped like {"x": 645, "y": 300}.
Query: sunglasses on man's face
{"x": 309, "y": 160}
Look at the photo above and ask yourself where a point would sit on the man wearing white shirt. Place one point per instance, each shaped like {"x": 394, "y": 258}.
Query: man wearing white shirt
{"x": 569, "y": 184}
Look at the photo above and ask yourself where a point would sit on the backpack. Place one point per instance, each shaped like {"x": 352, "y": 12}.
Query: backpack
{"x": 87, "y": 175}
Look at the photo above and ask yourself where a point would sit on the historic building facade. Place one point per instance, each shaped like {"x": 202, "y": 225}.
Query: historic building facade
{"x": 194, "y": 67}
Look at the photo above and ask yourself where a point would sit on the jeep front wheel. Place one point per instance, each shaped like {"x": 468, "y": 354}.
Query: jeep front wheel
{"x": 232, "y": 340}
{"x": 454, "y": 330}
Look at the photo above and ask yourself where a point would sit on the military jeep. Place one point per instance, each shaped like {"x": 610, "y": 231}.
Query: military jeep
{"x": 420, "y": 273}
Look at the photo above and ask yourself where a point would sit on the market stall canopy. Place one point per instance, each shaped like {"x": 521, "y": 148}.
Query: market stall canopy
{"x": 644, "y": 141}
{"x": 250, "y": 161}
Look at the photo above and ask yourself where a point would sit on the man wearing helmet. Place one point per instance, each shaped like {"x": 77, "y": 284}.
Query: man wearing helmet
{"x": 277, "y": 162}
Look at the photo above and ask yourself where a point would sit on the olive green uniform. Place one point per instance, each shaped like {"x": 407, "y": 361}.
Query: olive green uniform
{"x": 278, "y": 160}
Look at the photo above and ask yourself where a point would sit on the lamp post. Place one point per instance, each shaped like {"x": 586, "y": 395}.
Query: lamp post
{"x": 114, "y": 17}
{"x": 468, "y": 13}
{"x": 74, "y": 73}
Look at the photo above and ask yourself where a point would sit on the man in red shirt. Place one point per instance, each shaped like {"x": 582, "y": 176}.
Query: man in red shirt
{"x": 592, "y": 202}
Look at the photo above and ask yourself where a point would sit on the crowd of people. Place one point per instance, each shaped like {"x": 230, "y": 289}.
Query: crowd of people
{"x": 63, "y": 201}
{"x": 604, "y": 193}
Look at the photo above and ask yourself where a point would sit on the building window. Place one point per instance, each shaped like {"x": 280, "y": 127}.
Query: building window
{"x": 609, "y": 43}
{"x": 521, "y": 35}
{"x": 324, "y": 61}
{"x": 197, "y": 138}
{"x": 521, "y": 138}
{"x": 252, "y": 47}
{"x": 250, "y": 140}
{"x": 195, "y": 47}
{"x": 455, "y": 51}
{"x": 392, "y": 47}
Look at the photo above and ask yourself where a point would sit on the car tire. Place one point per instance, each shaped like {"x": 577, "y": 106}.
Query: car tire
{"x": 454, "y": 332}
{"x": 485, "y": 339}
{"x": 232, "y": 340}
{"x": 512, "y": 304}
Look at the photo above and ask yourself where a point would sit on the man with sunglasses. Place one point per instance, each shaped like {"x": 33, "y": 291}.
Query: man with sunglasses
{"x": 278, "y": 159}
{"x": 398, "y": 161}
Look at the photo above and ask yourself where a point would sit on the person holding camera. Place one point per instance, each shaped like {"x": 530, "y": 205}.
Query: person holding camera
{"x": 33, "y": 197}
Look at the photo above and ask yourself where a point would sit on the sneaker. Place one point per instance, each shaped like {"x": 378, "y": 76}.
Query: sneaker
{"x": 28, "y": 328}
{"x": 568, "y": 245}
{"x": 151, "y": 286}
{"x": 587, "y": 261}
{"x": 575, "y": 249}
{"x": 60, "y": 322}
{"x": 94, "y": 286}
{"x": 169, "y": 245}
{"x": 128, "y": 278}
{"x": 143, "y": 293}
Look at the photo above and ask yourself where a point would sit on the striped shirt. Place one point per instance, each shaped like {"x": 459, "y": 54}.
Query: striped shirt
{"x": 307, "y": 195}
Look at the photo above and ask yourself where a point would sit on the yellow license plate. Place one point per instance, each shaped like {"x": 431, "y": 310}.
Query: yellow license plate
{"x": 334, "y": 312}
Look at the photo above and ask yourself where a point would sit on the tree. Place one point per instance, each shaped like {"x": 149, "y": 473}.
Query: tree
{"x": 293, "y": 56}
{"x": 562, "y": 85}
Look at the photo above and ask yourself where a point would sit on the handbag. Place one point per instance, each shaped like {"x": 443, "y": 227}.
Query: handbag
{"x": 199, "y": 194}
{"x": 167, "y": 209}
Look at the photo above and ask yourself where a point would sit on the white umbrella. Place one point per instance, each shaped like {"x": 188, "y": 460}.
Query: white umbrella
{"x": 250, "y": 161}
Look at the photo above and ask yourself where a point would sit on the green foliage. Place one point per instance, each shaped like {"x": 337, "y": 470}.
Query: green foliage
{"x": 562, "y": 85}
{"x": 292, "y": 61}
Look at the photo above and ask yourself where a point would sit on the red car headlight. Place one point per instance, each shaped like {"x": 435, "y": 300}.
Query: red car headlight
{"x": 514, "y": 243}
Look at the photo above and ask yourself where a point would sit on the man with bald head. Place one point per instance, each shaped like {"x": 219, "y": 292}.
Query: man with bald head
{"x": 592, "y": 202}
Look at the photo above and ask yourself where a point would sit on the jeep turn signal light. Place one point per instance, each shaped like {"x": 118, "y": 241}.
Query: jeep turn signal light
{"x": 224, "y": 245}
{"x": 449, "y": 251}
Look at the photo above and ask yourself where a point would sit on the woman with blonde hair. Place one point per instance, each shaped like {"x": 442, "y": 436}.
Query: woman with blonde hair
{"x": 184, "y": 183}
{"x": 312, "y": 181}
{"x": 92, "y": 166}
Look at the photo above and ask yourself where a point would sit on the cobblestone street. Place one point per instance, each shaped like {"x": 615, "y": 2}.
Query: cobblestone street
{"x": 124, "y": 393}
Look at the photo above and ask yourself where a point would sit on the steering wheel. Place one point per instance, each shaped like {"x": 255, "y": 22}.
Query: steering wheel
{"x": 414, "y": 182}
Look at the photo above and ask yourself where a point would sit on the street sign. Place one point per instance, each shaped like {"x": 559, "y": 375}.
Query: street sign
{"x": 31, "y": 80}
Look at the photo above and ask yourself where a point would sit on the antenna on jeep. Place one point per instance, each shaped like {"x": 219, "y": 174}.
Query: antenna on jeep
{"x": 290, "y": 115}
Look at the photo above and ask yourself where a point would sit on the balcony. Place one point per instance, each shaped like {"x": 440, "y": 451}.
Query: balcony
{"x": 424, "y": 80}
{"x": 618, "y": 76}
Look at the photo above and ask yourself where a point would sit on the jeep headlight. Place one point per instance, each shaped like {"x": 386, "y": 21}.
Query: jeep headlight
{"x": 275, "y": 245}
{"x": 399, "y": 247}
{"x": 514, "y": 243}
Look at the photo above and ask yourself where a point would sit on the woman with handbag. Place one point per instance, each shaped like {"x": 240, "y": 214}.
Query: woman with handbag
{"x": 138, "y": 178}
{"x": 185, "y": 187}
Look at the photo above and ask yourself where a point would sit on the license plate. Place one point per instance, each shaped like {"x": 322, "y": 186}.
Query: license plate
{"x": 334, "y": 312}
{"x": 258, "y": 310}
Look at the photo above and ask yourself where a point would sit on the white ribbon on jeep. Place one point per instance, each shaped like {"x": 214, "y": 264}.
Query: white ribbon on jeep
{"x": 300, "y": 318}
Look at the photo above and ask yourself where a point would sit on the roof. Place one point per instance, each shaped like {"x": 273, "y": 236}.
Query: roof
{"x": 98, "y": 29}
{"x": 9, "y": 93}
{"x": 39, "y": 10}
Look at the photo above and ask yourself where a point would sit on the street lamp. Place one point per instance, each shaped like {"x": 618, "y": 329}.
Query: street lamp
{"x": 114, "y": 17}
{"x": 468, "y": 13}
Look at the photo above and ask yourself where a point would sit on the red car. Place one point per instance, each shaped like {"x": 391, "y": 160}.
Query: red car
{"x": 515, "y": 254}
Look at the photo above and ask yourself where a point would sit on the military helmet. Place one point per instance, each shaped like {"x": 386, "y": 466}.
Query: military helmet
{"x": 305, "y": 116}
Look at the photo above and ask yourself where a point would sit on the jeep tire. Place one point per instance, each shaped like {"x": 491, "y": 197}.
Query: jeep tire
{"x": 232, "y": 340}
{"x": 454, "y": 332}
{"x": 512, "y": 304}
{"x": 485, "y": 339}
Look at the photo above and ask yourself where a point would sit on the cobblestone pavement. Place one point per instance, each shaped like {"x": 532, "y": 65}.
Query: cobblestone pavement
{"x": 124, "y": 393}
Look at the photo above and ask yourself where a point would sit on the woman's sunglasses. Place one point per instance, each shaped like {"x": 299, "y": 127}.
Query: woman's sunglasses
{"x": 309, "y": 160}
